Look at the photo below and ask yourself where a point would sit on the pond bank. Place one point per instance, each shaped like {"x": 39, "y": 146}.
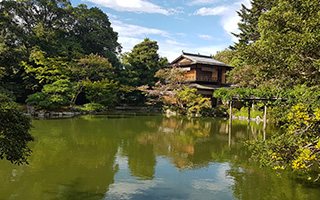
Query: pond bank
{"x": 70, "y": 114}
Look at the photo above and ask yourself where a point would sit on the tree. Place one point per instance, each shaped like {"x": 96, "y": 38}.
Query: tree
{"x": 142, "y": 63}
{"x": 40, "y": 40}
{"x": 91, "y": 68}
{"x": 103, "y": 92}
{"x": 45, "y": 70}
{"x": 172, "y": 92}
{"x": 248, "y": 25}
{"x": 297, "y": 149}
{"x": 288, "y": 48}
{"x": 53, "y": 95}
{"x": 286, "y": 52}
{"x": 224, "y": 56}
{"x": 171, "y": 80}
{"x": 14, "y": 132}
{"x": 92, "y": 29}
{"x": 247, "y": 71}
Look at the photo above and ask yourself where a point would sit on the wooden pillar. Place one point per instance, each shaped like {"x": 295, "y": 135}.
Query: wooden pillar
{"x": 249, "y": 110}
{"x": 230, "y": 110}
{"x": 264, "y": 121}
{"x": 230, "y": 122}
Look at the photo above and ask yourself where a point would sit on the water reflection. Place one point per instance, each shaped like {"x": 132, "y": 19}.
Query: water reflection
{"x": 143, "y": 157}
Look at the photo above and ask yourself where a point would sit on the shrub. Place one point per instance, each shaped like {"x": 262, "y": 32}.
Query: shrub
{"x": 52, "y": 96}
{"x": 94, "y": 107}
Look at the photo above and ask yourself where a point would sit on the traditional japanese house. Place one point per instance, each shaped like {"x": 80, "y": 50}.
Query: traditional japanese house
{"x": 202, "y": 72}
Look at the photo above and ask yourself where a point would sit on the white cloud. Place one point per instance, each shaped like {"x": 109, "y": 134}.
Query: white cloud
{"x": 210, "y": 50}
{"x": 171, "y": 49}
{"x": 206, "y": 37}
{"x": 130, "y": 35}
{"x": 204, "y": 2}
{"x": 134, "y": 30}
{"x": 219, "y": 10}
{"x": 230, "y": 18}
{"x": 139, "y": 6}
{"x": 127, "y": 189}
{"x": 221, "y": 182}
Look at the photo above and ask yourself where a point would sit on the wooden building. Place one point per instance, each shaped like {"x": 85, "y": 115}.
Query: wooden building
{"x": 202, "y": 72}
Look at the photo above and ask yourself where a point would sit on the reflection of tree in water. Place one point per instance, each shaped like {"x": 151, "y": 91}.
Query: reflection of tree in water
{"x": 250, "y": 182}
{"x": 141, "y": 159}
{"x": 78, "y": 162}
{"x": 182, "y": 140}
{"x": 193, "y": 143}
{"x": 70, "y": 192}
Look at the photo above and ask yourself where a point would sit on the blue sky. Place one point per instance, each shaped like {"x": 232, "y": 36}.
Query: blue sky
{"x": 195, "y": 26}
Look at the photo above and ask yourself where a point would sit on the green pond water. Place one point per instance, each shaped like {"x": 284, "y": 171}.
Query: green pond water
{"x": 145, "y": 157}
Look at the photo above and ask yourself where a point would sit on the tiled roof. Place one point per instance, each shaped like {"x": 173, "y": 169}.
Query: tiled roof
{"x": 201, "y": 59}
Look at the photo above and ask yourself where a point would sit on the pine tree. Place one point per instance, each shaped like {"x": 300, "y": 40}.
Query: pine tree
{"x": 249, "y": 21}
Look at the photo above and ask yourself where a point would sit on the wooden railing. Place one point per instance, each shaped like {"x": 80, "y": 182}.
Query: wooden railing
{"x": 201, "y": 79}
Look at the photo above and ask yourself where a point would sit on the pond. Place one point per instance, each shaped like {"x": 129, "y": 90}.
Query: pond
{"x": 131, "y": 156}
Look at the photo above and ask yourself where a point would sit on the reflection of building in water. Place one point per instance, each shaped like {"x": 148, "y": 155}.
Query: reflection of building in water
{"x": 193, "y": 143}
{"x": 177, "y": 139}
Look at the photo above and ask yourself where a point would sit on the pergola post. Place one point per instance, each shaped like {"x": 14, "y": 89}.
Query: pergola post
{"x": 264, "y": 121}
{"x": 249, "y": 112}
{"x": 230, "y": 111}
{"x": 230, "y": 122}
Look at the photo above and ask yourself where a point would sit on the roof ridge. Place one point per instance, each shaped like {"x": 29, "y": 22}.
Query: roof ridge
{"x": 192, "y": 54}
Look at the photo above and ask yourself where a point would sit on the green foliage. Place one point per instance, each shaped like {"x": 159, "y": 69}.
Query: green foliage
{"x": 187, "y": 101}
{"x": 244, "y": 112}
{"x": 221, "y": 110}
{"x": 286, "y": 52}
{"x": 45, "y": 70}
{"x": 129, "y": 95}
{"x": 14, "y": 132}
{"x": 224, "y": 56}
{"x": 52, "y": 96}
{"x": 40, "y": 41}
{"x": 248, "y": 25}
{"x": 93, "y": 107}
{"x": 142, "y": 63}
{"x": 93, "y": 67}
{"x": 248, "y": 76}
{"x": 298, "y": 148}
{"x": 103, "y": 92}
{"x": 92, "y": 30}
{"x": 171, "y": 91}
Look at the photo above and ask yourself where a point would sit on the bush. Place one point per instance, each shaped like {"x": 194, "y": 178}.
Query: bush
{"x": 94, "y": 107}
{"x": 52, "y": 96}
{"x": 189, "y": 102}
{"x": 102, "y": 92}
{"x": 221, "y": 110}
{"x": 297, "y": 149}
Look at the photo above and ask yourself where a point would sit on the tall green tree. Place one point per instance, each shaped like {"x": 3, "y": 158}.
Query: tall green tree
{"x": 142, "y": 63}
{"x": 92, "y": 29}
{"x": 57, "y": 30}
{"x": 91, "y": 68}
{"x": 289, "y": 45}
{"x": 248, "y": 24}
{"x": 247, "y": 71}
